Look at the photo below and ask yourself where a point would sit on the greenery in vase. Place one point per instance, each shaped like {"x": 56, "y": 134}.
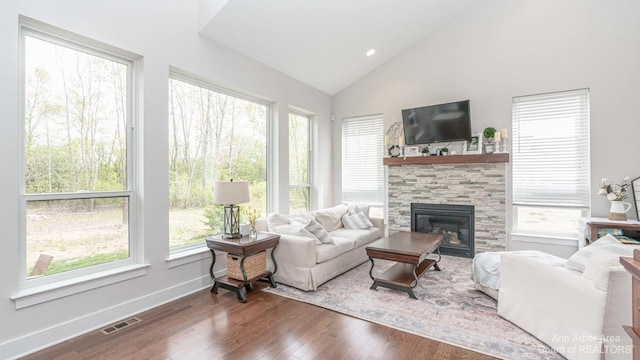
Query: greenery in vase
{"x": 251, "y": 215}
{"x": 489, "y": 133}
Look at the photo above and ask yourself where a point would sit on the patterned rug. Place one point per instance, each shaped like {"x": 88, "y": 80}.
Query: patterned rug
{"x": 448, "y": 309}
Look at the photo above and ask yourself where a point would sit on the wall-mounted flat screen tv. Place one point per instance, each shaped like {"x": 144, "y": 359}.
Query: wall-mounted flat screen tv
{"x": 437, "y": 123}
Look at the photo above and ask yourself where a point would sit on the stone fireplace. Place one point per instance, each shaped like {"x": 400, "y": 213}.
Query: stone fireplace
{"x": 480, "y": 184}
{"x": 455, "y": 223}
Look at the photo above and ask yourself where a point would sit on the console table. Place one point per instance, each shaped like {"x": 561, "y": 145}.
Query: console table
{"x": 588, "y": 228}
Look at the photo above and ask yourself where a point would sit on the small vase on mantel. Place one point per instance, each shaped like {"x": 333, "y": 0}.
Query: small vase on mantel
{"x": 619, "y": 210}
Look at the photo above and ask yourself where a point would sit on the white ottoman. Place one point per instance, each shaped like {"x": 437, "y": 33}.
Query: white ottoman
{"x": 485, "y": 269}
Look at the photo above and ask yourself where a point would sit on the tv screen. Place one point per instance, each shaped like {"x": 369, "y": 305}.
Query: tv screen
{"x": 437, "y": 123}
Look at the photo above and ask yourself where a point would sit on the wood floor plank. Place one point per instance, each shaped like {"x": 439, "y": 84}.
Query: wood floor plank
{"x": 209, "y": 326}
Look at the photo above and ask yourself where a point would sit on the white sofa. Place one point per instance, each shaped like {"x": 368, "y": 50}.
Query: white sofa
{"x": 577, "y": 309}
{"x": 306, "y": 264}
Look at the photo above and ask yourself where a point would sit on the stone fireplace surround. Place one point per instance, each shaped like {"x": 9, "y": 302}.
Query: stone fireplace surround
{"x": 482, "y": 185}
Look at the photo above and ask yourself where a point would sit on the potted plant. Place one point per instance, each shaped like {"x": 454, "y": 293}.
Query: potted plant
{"x": 489, "y": 133}
{"x": 425, "y": 150}
{"x": 444, "y": 151}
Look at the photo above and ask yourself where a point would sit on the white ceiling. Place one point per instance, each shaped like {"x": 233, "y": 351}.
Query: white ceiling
{"x": 323, "y": 42}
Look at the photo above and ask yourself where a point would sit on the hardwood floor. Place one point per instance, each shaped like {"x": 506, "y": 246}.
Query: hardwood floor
{"x": 209, "y": 326}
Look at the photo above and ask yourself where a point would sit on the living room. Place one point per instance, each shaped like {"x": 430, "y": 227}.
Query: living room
{"x": 489, "y": 54}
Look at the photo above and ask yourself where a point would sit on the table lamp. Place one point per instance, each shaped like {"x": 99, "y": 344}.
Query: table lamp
{"x": 229, "y": 194}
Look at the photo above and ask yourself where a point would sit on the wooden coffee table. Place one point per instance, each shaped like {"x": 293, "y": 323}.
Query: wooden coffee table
{"x": 409, "y": 250}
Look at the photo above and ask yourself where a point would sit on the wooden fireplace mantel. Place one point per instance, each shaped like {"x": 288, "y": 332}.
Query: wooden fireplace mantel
{"x": 448, "y": 159}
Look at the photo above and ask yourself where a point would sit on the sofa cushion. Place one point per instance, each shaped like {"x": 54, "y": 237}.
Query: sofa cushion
{"x": 317, "y": 230}
{"x": 607, "y": 244}
{"x": 598, "y": 269}
{"x": 331, "y": 218}
{"x": 359, "y": 236}
{"x": 326, "y": 252}
{"x": 275, "y": 219}
{"x": 358, "y": 220}
{"x": 297, "y": 230}
{"x": 354, "y": 208}
{"x": 357, "y": 217}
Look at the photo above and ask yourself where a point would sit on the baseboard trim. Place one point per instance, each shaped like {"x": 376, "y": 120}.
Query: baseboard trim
{"x": 45, "y": 338}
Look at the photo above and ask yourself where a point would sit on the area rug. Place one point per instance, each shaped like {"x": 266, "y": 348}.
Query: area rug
{"x": 448, "y": 309}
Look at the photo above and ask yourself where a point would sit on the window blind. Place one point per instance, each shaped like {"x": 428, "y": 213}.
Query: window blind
{"x": 362, "y": 169}
{"x": 551, "y": 149}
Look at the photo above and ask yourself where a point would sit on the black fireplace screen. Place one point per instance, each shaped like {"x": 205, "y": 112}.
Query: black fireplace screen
{"x": 454, "y": 222}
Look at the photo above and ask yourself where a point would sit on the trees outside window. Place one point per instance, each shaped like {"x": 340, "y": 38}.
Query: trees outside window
{"x": 299, "y": 170}
{"x": 77, "y": 190}
{"x": 213, "y": 135}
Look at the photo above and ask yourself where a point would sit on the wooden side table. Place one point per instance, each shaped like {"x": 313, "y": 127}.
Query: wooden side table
{"x": 632, "y": 265}
{"x": 594, "y": 224}
{"x": 242, "y": 247}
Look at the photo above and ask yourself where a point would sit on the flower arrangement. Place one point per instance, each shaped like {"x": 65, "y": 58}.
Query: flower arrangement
{"x": 252, "y": 214}
{"x": 614, "y": 192}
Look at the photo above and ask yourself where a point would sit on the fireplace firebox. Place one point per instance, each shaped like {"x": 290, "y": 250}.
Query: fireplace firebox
{"x": 454, "y": 222}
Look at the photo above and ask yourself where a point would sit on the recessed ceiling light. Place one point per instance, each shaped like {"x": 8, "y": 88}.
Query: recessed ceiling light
{"x": 371, "y": 52}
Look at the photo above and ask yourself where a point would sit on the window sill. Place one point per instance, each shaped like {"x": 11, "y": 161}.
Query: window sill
{"x": 545, "y": 239}
{"x": 188, "y": 256}
{"x": 52, "y": 291}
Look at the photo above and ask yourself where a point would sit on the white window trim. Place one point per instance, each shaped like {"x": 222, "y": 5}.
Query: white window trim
{"x": 51, "y": 291}
{"x": 47, "y": 288}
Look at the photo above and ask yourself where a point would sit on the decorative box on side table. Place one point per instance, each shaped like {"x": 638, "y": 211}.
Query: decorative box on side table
{"x": 242, "y": 248}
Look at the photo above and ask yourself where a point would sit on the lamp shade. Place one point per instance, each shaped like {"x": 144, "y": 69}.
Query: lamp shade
{"x": 231, "y": 192}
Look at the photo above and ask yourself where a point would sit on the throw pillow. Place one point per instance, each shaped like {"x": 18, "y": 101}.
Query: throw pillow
{"x": 607, "y": 245}
{"x": 358, "y": 220}
{"x": 598, "y": 269}
{"x": 296, "y": 230}
{"x": 354, "y": 208}
{"x": 331, "y": 218}
{"x": 274, "y": 220}
{"x": 316, "y": 229}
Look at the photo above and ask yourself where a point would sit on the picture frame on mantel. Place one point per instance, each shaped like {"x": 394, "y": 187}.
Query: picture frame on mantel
{"x": 473, "y": 146}
{"x": 412, "y": 151}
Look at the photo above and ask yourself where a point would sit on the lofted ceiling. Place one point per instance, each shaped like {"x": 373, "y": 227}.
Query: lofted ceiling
{"x": 323, "y": 42}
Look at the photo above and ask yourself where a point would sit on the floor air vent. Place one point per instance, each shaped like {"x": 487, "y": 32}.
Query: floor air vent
{"x": 119, "y": 326}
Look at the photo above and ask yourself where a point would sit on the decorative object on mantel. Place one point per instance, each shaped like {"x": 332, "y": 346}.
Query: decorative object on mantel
{"x": 425, "y": 151}
{"x": 503, "y": 141}
{"x": 489, "y": 134}
{"x": 394, "y": 139}
{"x": 473, "y": 146}
{"x": 412, "y": 151}
{"x": 615, "y": 193}
{"x": 394, "y": 151}
{"x": 635, "y": 187}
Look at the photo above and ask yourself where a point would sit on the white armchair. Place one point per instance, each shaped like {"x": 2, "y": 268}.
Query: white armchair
{"x": 579, "y": 314}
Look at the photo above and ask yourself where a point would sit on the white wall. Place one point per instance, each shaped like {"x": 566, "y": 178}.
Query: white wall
{"x": 502, "y": 49}
{"x": 165, "y": 33}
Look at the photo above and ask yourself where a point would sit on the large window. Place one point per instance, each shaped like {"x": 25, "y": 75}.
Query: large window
{"x": 362, "y": 169}
{"x": 550, "y": 162}
{"x": 78, "y": 192}
{"x": 213, "y": 135}
{"x": 299, "y": 155}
